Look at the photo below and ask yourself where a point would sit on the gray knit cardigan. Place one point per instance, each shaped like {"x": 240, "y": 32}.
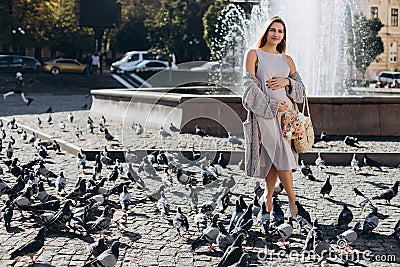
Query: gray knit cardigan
{"x": 257, "y": 103}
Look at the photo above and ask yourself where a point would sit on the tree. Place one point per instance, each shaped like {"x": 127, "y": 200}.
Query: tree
{"x": 210, "y": 22}
{"x": 196, "y": 48}
{"x": 132, "y": 33}
{"x": 66, "y": 37}
{"x": 364, "y": 43}
{"x": 166, "y": 27}
{"x": 38, "y": 23}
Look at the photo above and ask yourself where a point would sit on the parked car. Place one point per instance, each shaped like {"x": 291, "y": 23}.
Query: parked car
{"x": 16, "y": 63}
{"x": 387, "y": 78}
{"x": 132, "y": 58}
{"x": 145, "y": 66}
{"x": 373, "y": 79}
{"x": 213, "y": 66}
{"x": 60, "y": 65}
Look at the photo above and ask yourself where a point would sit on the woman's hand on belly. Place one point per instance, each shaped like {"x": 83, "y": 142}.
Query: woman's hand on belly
{"x": 277, "y": 82}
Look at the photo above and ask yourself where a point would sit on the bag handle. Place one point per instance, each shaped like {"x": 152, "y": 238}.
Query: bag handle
{"x": 305, "y": 103}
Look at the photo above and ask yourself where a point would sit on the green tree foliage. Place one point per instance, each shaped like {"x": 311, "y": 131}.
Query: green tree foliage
{"x": 69, "y": 39}
{"x": 210, "y": 22}
{"x": 38, "y": 23}
{"x": 364, "y": 43}
{"x": 166, "y": 26}
{"x": 25, "y": 23}
{"x": 132, "y": 35}
{"x": 196, "y": 48}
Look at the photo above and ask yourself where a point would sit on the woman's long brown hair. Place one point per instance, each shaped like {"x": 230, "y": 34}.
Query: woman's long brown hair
{"x": 262, "y": 40}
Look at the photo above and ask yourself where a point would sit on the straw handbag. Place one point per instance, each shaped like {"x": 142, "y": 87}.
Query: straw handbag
{"x": 304, "y": 144}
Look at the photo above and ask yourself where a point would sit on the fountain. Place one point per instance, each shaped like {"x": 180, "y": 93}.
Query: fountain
{"x": 316, "y": 38}
{"x": 316, "y": 42}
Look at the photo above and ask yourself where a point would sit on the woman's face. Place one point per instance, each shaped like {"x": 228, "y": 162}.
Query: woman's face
{"x": 275, "y": 33}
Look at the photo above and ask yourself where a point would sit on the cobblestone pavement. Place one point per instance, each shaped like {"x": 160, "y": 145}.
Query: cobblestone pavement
{"x": 149, "y": 239}
{"x": 151, "y": 138}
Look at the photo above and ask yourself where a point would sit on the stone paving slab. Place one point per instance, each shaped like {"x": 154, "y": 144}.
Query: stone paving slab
{"x": 150, "y": 240}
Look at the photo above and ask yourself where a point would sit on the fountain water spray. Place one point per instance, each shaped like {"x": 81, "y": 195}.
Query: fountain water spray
{"x": 316, "y": 38}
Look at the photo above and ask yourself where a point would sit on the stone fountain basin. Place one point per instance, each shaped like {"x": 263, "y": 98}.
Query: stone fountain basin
{"x": 221, "y": 113}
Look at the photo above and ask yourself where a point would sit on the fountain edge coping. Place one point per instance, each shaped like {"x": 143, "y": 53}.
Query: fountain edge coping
{"x": 145, "y": 93}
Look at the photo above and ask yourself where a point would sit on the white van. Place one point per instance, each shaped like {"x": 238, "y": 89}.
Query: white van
{"x": 132, "y": 58}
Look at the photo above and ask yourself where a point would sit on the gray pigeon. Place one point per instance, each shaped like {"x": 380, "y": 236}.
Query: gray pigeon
{"x": 277, "y": 215}
{"x": 283, "y": 231}
{"x": 306, "y": 171}
{"x": 303, "y": 217}
{"x": 97, "y": 248}
{"x": 246, "y": 216}
{"x": 320, "y": 163}
{"x": 125, "y": 198}
{"x": 180, "y": 223}
{"x": 32, "y": 247}
{"x": 345, "y": 217}
{"x": 278, "y": 189}
{"x": 327, "y": 187}
{"x": 192, "y": 198}
{"x": 362, "y": 200}
{"x": 234, "y": 140}
{"x": 63, "y": 216}
{"x": 208, "y": 236}
{"x": 163, "y": 204}
{"x": 370, "y": 222}
{"x": 7, "y": 214}
{"x": 396, "y": 232}
{"x": 164, "y": 133}
{"x": 348, "y": 237}
{"x": 134, "y": 177}
{"x": 310, "y": 238}
{"x": 103, "y": 222}
{"x": 138, "y": 128}
{"x": 106, "y": 259}
{"x": 224, "y": 239}
{"x": 371, "y": 163}
{"x": 200, "y": 219}
{"x": 263, "y": 218}
{"x": 167, "y": 178}
{"x": 256, "y": 206}
{"x": 355, "y": 164}
{"x": 233, "y": 254}
{"x": 258, "y": 190}
{"x": 173, "y": 128}
{"x": 389, "y": 193}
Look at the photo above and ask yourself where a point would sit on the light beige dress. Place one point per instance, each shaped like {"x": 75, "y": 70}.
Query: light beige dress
{"x": 275, "y": 149}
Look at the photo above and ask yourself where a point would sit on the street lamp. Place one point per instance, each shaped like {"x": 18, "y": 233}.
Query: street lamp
{"x": 16, "y": 33}
{"x": 193, "y": 48}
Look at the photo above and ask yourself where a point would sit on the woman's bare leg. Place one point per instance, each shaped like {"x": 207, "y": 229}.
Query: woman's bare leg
{"x": 270, "y": 182}
{"x": 286, "y": 178}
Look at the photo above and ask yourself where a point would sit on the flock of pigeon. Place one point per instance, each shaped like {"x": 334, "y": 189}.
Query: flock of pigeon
{"x": 78, "y": 129}
{"x": 106, "y": 195}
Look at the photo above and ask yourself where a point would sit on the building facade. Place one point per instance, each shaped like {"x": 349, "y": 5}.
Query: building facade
{"x": 388, "y": 12}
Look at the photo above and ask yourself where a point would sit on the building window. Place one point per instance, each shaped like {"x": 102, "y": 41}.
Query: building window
{"x": 374, "y": 12}
{"x": 394, "y": 17}
{"x": 393, "y": 52}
